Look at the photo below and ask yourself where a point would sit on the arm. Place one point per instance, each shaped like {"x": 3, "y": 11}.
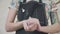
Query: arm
{"x": 53, "y": 28}
{"x": 10, "y": 25}
{"x": 50, "y": 29}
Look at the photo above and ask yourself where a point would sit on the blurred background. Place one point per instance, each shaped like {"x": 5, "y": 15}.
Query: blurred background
{"x": 3, "y": 15}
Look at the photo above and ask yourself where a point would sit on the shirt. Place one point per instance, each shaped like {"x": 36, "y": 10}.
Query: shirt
{"x": 15, "y": 3}
{"x": 51, "y": 7}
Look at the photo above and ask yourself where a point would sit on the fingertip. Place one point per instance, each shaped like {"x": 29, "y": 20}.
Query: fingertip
{"x": 30, "y": 17}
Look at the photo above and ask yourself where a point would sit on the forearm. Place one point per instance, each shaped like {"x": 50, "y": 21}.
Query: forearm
{"x": 14, "y": 26}
{"x": 50, "y": 29}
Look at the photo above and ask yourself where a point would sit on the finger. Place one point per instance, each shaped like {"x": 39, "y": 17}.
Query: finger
{"x": 33, "y": 28}
{"x": 30, "y": 23}
{"x": 30, "y": 17}
{"x": 38, "y": 27}
{"x": 25, "y": 26}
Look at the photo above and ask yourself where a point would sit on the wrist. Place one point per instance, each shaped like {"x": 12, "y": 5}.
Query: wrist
{"x": 39, "y": 28}
{"x": 23, "y": 22}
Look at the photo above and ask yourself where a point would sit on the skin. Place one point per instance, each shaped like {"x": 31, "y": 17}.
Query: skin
{"x": 33, "y": 24}
{"x": 48, "y": 29}
{"x": 10, "y": 24}
{"x": 13, "y": 26}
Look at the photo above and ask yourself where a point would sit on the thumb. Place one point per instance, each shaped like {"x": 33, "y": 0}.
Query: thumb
{"x": 30, "y": 17}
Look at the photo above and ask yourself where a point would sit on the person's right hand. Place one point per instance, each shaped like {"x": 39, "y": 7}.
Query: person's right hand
{"x": 25, "y": 24}
{"x": 31, "y": 24}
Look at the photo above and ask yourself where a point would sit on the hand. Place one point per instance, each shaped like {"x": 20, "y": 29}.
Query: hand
{"x": 34, "y": 24}
{"x": 25, "y": 26}
{"x": 31, "y": 24}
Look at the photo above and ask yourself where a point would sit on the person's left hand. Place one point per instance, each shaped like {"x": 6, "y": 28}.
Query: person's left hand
{"x": 32, "y": 24}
